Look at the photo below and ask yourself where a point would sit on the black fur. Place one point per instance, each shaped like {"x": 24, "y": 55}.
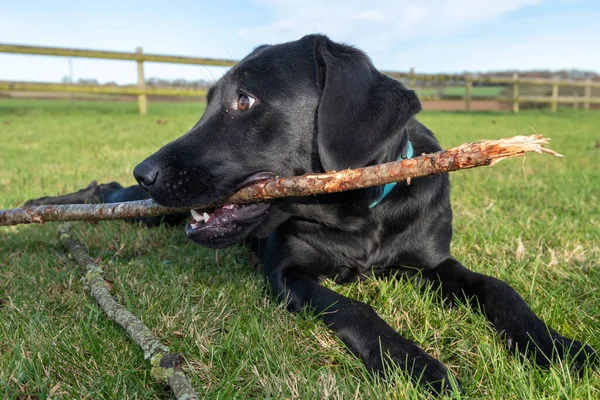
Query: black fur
{"x": 322, "y": 106}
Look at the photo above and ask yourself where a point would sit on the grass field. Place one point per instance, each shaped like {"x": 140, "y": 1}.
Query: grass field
{"x": 211, "y": 305}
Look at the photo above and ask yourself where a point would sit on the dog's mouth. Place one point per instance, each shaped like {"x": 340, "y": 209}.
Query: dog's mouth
{"x": 230, "y": 223}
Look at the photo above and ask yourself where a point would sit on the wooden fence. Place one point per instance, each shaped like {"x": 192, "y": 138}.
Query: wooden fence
{"x": 554, "y": 100}
{"x": 141, "y": 90}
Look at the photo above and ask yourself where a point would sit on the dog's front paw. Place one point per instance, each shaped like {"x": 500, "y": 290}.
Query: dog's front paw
{"x": 544, "y": 345}
{"x": 582, "y": 355}
{"x": 411, "y": 359}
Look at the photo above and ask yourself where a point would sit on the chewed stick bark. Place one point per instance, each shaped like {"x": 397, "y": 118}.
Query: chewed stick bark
{"x": 468, "y": 155}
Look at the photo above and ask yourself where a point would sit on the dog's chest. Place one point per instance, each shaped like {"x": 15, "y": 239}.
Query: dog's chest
{"x": 350, "y": 254}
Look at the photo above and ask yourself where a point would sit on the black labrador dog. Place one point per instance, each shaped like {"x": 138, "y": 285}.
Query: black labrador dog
{"x": 314, "y": 105}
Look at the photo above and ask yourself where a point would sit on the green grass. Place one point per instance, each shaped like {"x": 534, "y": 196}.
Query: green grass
{"x": 459, "y": 91}
{"x": 211, "y": 305}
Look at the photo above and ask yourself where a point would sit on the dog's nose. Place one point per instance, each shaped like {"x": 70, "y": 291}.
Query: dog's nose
{"x": 145, "y": 174}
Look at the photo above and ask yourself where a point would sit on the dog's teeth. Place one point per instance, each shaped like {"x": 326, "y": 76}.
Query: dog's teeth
{"x": 206, "y": 217}
{"x": 229, "y": 206}
{"x": 197, "y": 217}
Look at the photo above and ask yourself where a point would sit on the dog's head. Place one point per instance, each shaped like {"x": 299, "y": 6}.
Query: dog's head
{"x": 305, "y": 106}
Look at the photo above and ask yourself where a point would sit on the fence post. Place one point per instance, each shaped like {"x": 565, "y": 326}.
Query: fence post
{"x": 413, "y": 80}
{"x": 142, "y": 99}
{"x": 515, "y": 106}
{"x": 468, "y": 90}
{"x": 555, "y": 95}
{"x": 588, "y": 94}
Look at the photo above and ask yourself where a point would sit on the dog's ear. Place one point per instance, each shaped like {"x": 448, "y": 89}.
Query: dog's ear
{"x": 361, "y": 112}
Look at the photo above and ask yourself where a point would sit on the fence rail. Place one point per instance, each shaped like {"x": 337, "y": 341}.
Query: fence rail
{"x": 141, "y": 90}
{"x": 112, "y": 55}
{"x": 97, "y": 89}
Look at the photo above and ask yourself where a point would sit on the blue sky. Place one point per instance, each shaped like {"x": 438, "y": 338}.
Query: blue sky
{"x": 429, "y": 35}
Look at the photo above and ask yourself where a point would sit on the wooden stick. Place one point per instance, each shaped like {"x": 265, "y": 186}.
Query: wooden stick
{"x": 468, "y": 155}
{"x": 165, "y": 366}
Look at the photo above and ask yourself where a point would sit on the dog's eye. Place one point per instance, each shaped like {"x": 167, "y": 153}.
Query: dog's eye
{"x": 245, "y": 102}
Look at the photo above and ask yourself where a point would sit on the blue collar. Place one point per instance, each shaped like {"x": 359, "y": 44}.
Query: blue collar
{"x": 388, "y": 188}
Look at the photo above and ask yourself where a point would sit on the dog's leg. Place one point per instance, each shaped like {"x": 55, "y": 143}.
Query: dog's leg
{"x": 522, "y": 330}
{"x": 94, "y": 193}
{"x": 360, "y": 328}
{"x": 111, "y": 192}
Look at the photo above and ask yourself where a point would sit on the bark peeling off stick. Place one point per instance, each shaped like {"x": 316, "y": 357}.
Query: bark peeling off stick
{"x": 469, "y": 155}
{"x": 165, "y": 366}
